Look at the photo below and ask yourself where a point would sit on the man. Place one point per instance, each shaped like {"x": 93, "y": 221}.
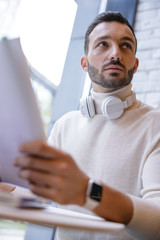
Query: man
{"x": 113, "y": 140}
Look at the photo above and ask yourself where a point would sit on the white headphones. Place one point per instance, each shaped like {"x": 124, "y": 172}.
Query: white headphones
{"x": 112, "y": 106}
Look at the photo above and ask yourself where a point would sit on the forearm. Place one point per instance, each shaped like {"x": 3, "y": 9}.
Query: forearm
{"x": 141, "y": 217}
{"x": 115, "y": 206}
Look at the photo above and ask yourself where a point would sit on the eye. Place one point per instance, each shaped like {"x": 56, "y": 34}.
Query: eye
{"x": 127, "y": 45}
{"x": 103, "y": 44}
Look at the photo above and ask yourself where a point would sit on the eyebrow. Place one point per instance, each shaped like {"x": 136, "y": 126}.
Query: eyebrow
{"x": 128, "y": 39}
{"x": 101, "y": 38}
{"x": 108, "y": 37}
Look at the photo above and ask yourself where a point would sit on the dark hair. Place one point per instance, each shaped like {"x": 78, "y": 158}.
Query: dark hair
{"x": 105, "y": 17}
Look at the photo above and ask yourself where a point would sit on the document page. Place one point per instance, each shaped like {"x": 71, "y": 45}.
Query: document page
{"x": 20, "y": 118}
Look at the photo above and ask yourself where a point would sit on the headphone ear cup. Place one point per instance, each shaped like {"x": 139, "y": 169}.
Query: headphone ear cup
{"x": 112, "y": 107}
{"x": 87, "y": 107}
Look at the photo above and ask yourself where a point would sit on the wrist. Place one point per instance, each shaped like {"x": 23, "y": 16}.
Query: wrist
{"x": 93, "y": 195}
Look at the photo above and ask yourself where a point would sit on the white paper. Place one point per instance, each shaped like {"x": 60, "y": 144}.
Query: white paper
{"x": 20, "y": 118}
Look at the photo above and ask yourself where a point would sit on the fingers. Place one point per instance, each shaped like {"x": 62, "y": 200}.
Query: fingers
{"x": 42, "y": 191}
{"x": 42, "y": 157}
{"x": 54, "y": 165}
{"x": 39, "y": 148}
{"x": 47, "y": 186}
{"x": 48, "y": 193}
{"x": 6, "y": 187}
{"x": 41, "y": 178}
{"x": 51, "y": 173}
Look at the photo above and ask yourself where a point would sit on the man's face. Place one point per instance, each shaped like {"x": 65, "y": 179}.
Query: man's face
{"x": 111, "y": 60}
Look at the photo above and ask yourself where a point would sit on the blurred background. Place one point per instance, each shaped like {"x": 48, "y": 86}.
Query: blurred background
{"x": 52, "y": 36}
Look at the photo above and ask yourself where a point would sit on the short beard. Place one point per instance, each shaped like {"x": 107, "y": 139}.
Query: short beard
{"x": 113, "y": 81}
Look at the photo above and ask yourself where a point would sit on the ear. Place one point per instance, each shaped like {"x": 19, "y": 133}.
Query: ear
{"x": 84, "y": 63}
{"x": 136, "y": 65}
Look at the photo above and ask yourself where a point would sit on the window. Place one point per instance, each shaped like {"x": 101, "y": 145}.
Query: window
{"x": 45, "y": 28}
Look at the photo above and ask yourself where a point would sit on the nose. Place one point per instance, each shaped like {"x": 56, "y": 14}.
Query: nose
{"x": 115, "y": 53}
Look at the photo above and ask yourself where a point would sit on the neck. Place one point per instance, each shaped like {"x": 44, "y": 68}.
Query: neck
{"x": 99, "y": 89}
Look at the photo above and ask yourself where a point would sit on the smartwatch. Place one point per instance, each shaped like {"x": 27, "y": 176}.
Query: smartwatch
{"x": 93, "y": 195}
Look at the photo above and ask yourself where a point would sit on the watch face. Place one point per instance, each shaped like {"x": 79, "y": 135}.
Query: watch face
{"x": 96, "y": 192}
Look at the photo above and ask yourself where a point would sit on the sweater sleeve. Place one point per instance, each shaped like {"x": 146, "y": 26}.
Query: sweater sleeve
{"x": 145, "y": 223}
{"x": 53, "y": 138}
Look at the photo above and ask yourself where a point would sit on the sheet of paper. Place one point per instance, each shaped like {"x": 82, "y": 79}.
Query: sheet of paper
{"x": 20, "y": 118}
{"x": 53, "y": 217}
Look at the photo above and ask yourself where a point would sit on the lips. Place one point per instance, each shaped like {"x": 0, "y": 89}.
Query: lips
{"x": 114, "y": 68}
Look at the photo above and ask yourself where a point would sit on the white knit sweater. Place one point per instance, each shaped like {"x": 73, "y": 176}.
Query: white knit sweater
{"x": 123, "y": 153}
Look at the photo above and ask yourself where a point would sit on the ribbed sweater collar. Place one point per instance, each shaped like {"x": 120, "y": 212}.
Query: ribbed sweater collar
{"x": 98, "y": 97}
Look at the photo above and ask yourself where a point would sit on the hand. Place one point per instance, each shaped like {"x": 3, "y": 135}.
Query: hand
{"x": 51, "y": 173}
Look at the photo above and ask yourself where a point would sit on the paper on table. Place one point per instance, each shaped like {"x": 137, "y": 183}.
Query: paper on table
{"x": 53, "y": 217}
{"x": 20, "y": 118}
